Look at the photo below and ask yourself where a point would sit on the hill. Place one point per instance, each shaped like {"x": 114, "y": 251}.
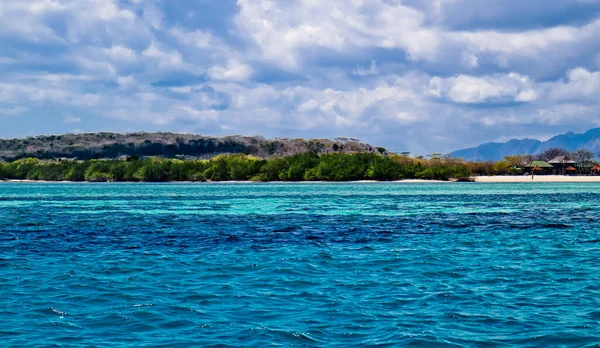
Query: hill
{"x": 497, "y": 151}
{"x": 170, "y": 145}
{"x": 570, "y": 141}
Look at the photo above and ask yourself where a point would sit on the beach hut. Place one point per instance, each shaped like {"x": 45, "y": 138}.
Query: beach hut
{"x": 539, "y": 167}
{"x": 560, "y": 164}
{"x": 571, "y": 169}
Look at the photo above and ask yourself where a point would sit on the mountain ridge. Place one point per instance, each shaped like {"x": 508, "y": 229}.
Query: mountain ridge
{"x": 494, "y": 151}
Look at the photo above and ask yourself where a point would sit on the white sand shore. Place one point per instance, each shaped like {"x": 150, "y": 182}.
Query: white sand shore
{"x": 418, "y": 181}
{"x": 489, "y": 179}
{"x": 537, "y": 178}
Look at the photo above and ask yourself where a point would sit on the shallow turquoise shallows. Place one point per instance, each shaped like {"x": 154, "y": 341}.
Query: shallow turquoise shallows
{"x": 308, "y": 264}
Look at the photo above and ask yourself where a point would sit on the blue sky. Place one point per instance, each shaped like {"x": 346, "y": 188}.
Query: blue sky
{"x": 413, "y": 75}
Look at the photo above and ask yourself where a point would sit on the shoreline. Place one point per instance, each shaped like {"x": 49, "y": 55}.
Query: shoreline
{"x": 475, "y": 179}
{"x": 405, "y": 181}
{"x": 537, "y": 178}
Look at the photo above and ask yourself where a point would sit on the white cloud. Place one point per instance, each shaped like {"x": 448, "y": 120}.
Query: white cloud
{"x": 526, "y": 96}
{"x": 100, "y": 10}
{"x": 56, "y": 79}
{"x": 40, "y": 7}
{"x": 153, "y": 16}
{"x": 372, "y": 70}
{"x": 165, "y": 59}
{"x": 17, "y": 110}
{"x": 15, "y": 93}
{"x": 502, "y": 62}
{"x": 120, "y": 53}
{"x": 46, "y": 92}
{"x": 556, "y": 115}
{"x": 285, "y": 32}
{"x": 87, "y": 99}
{"x": 81, "y": 21}
{"x": 580, "y": 84}
{"x": 234, "y": 71}
{"x": 23, "y": 19}
{"x": 68, "y": 118}
{"x": 435, "y": 86}
{"x": 281, "y": 29}
{"x": 470, "y": 60}
{"x": 199, "y": 115}
{"x": 473, "y": 89}
{"x": 538, "y": 49}
{"x": 204, "y": 46}
{"x": 522, "y": 43}
{"x": 126, "y": 81}
{"x": 286, "y": 67}
{"x": 197, "y": 38}
{"x": 95, "y": 67}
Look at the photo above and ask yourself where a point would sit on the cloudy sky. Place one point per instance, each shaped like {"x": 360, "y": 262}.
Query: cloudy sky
{"x": 411, "y": 75}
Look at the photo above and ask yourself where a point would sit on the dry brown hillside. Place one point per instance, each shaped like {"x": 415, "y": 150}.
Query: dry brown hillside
{"x": 113, "y": 145}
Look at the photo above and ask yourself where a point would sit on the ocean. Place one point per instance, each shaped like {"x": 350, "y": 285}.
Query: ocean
{"x": 299, "y": 264}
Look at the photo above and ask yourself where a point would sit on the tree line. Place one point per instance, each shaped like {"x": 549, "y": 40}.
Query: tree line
{"x": 308, "y": 166}
{"x": 301, "y": 167}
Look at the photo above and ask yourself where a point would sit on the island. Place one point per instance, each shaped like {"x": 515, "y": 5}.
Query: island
{"x": 166, "y": 157}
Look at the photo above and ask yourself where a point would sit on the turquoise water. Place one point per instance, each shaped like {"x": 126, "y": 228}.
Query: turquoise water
{"x": 310, "y": 264}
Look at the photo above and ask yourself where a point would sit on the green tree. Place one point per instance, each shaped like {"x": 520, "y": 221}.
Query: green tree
{"x": 20, "y": 168}
{"x": 4, "y": 174}
{"x": 342, "y": 167}
{"x": 299, "y": 165}
{"x": 273, "y": 170}
{"x": 242, "y": 167}
{"x": 153, "y": 170}
{"x": 384, "y": 168}
{"x": 98, "y": 171}
{"x": 501, "y": 167}
{"x": 75, "y": 171}
{"x": 217, "y": 169}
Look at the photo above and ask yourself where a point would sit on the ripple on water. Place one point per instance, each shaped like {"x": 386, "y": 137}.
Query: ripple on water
{"x": 299, "y": 264}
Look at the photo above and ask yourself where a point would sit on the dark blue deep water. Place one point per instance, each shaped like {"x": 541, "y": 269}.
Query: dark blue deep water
{"x": 357, "y": 264}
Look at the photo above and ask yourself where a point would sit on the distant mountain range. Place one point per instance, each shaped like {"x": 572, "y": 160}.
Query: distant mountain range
{"x": 570, "y": 141}
{"x": 87, "y": 146}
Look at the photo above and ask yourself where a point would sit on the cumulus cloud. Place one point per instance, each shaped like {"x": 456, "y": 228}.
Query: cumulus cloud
{"x": 126, "y": 81}
{"x": 479, "y": 89}
{"x": 120, "y": 53}
{"x": 233, "y": 71}
{"x": 197, "y": 38}
{"x": 165, "y": 59}
{"x": 282, "y": 29}
{"x": 410, "y": 75}
{"x": 580, "y": 84}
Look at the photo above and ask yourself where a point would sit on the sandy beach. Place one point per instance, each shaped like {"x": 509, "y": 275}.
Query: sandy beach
{"x": 483, "y": 179}
{"x": 537, "y": 178}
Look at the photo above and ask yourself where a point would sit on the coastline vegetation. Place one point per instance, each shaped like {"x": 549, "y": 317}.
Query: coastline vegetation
{"x": 307, "y": 166}
{"x": 240, "y": 167}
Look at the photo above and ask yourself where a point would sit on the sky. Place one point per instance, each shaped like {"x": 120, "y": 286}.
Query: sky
{"x": 414, "y": 75}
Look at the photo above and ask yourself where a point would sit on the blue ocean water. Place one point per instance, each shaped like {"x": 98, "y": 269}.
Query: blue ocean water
{"x": 307, "y": 264}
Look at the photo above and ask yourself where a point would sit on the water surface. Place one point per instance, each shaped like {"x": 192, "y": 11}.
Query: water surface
{"x": 308, "y": 264}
